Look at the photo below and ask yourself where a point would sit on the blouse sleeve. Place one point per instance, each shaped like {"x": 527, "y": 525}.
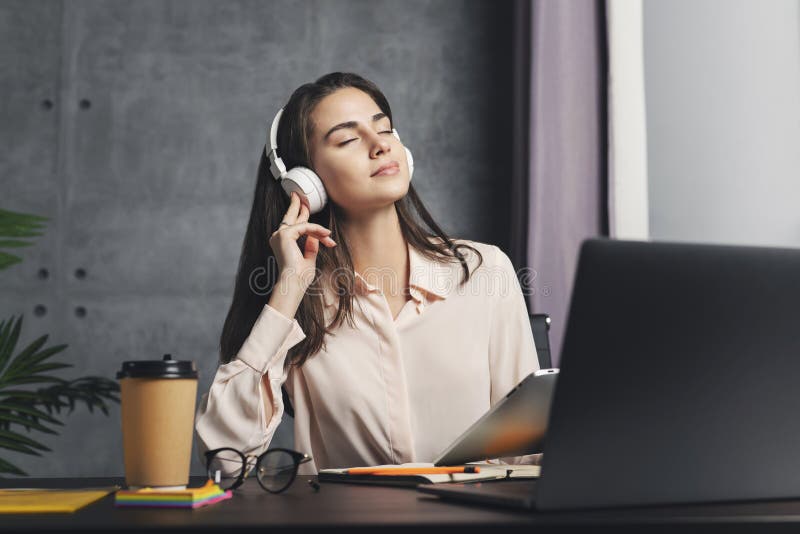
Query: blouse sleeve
{"x": 232, "y": 414}
{"x": 512, "y": 352}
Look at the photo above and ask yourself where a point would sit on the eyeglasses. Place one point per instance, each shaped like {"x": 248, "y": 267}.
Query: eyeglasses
{"x": 276, "y": 469}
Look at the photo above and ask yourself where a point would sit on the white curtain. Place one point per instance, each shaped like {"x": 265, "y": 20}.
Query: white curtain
{"x": 627, "y": 125}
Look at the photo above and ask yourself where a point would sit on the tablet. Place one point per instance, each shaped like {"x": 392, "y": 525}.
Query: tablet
{"x": 515, "y": 426}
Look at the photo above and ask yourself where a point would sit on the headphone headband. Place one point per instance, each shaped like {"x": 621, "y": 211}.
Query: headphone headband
{"x": 273, "y": 131}
{"x": 276, "y": 165}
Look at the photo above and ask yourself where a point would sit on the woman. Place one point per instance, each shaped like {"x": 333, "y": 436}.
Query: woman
{"x": 389, "y": 338}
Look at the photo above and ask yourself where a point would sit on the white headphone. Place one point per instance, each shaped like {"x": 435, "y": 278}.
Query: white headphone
{"x": 302, "y": 179}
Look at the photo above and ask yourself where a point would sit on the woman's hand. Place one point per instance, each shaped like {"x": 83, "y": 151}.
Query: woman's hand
{"x": 296, "y": 266}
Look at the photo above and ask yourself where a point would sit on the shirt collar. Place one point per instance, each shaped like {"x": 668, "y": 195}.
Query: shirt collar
{"x": 429, "y": 279}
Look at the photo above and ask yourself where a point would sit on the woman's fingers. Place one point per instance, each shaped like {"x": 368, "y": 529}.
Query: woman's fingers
{"x": 293, "y": 253}
{"x": 296, "y": 230}
{"x": 304, "y": 214}
{"x": 311, "y": 248}
{"x": 294, "y": 209}
{"x": 307, "y": 227}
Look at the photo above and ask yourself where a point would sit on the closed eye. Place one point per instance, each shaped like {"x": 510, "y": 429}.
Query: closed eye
{"x": 353, "y": 139}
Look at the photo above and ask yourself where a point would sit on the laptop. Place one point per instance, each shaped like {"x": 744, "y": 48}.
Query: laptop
{"x": 679, "y": 382}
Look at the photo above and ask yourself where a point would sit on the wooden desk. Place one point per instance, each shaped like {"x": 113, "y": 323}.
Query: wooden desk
{"x": 391, "y": 509}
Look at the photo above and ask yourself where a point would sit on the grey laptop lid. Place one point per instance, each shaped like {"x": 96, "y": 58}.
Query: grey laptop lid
{"x": 680, "y": 378}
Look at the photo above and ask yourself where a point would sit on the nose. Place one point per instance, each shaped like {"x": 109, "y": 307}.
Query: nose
{"x": 379, "y": 146}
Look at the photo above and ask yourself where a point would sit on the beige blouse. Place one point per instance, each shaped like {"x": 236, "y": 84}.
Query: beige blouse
{"x": 388, "y": 391}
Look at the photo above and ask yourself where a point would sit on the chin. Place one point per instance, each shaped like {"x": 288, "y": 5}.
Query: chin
{"x": 390, "y": 200}
{"x": 400, "y": 189}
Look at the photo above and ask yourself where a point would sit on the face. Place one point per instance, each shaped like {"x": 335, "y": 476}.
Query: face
{"x": 350, "y": 141}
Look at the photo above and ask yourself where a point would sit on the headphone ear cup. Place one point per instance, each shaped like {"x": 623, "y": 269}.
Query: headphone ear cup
{"x": 410, "y": 160}
{"x": 305, "y": 182}
{"x": 409, "y": 157}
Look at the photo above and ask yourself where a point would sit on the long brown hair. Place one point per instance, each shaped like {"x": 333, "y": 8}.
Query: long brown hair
{"x": 270, "y": 204}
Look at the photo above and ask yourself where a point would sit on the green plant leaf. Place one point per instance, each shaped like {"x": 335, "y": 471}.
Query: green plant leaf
{"x": 22, "y": 393}
{"x": 8, "y": 339}
{"x": 21, "y": 231}
{"x": 20, "y": 361}
{"x": 15, "y": 217}
{"x": 24, "y": 440}
{"x": 23, "y": 376}
{"x": 11, "y": 469}
{"x": 90, "y": 390}
{"x": 18, "y": 447}
{"x": 46, "y": 353}
{"x": 50, "y": 367}
{"x": 16, "y": 225}
{"x": 13, "y": 224}
{"x": 10, "y": 418}
{"x": 30, "y": 360}
{"x": 5, "y": 331}
{"x": 14, "y": 243}
{"x": 34, "y": 379}
{"x": 7, "y": 260}
{"x": 26, "y": 409}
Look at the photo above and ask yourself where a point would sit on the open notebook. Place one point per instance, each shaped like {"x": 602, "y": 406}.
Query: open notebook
{"x": 489, "y": 471}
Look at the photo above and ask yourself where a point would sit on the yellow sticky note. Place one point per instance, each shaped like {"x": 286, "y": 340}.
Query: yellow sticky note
{"x": 39, "y": 501}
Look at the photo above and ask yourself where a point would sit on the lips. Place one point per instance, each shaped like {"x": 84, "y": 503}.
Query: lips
{"x": 392, "y": 165}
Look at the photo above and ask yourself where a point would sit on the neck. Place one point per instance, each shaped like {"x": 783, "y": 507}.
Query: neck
{"x": 376, "y": 242}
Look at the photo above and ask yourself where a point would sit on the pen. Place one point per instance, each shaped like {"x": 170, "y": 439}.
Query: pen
{"x": 412, "y": 470}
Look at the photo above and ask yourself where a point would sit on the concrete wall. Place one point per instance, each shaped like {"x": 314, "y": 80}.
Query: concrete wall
{"x": 137, "y": 127}
{"x": 723, "y": 120}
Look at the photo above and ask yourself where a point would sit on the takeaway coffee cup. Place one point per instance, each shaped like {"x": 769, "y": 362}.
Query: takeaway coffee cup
{"x": 158, "y": 401}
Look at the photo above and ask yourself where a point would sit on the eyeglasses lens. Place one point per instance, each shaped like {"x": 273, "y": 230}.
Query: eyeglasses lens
{"x": 276, "y": 470}
{"x": 225, "y": 468}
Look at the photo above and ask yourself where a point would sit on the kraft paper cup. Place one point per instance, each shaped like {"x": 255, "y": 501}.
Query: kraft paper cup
{"x": 158, "y": 402}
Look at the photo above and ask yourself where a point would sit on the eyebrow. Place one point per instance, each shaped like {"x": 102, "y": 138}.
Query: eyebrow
{"x": 351, "y": 124}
